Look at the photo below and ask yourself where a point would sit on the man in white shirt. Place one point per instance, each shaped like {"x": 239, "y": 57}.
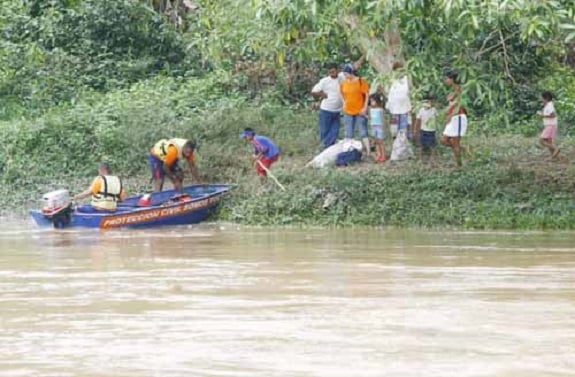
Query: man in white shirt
{"x": 398, "y": 102}
{"x": 330, "y": 108}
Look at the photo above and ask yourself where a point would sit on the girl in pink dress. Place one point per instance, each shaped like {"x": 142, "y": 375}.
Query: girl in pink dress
{"x": 549, "y": 123}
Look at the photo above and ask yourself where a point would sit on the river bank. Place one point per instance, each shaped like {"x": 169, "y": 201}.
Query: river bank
{"x": 509, "y": 184}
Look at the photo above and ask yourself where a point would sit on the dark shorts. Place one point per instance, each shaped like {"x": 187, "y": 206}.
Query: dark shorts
{"x": 157, "y": 167}
{"x": 427, "y": 138}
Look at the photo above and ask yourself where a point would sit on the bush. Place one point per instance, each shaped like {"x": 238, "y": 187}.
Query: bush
{"x": 121, "y": 126}
{"x": 52, "y": 51}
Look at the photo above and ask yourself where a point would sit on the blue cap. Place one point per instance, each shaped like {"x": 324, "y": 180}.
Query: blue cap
{"x": 348, "y": 68}
{"x": 246, "y": 132}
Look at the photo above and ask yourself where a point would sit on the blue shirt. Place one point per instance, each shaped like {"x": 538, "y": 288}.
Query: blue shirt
{"x": 265, "y": 146}
{"x": 376, "y": 116}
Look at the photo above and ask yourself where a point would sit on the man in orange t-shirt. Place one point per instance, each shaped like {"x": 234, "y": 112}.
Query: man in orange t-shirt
{"x": 355, "y": 94}
{"x": 164, "y": 157}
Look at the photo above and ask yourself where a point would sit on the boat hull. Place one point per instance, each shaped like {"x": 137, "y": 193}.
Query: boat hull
{"x": 163, "y": 211}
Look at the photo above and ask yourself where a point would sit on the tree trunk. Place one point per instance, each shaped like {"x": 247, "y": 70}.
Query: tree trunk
{"x": 380, "y": 53}
{"x": 174, "y": 9}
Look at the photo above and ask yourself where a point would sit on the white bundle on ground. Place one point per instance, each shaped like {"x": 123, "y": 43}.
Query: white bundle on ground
{"x": 401, "y": 150}
{"x": 328, "y": 156}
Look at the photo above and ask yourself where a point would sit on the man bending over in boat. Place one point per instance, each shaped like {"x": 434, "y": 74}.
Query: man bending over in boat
{"x": 106, "y": 191}
{"x": 164, "y": 158}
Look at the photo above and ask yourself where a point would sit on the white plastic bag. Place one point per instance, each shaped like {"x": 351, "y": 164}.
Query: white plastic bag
{"x": 401, "y": 150}
{"x": 393, "y": 129}
{"x": 349, "y": 144}
{"x": 329, "y": 155}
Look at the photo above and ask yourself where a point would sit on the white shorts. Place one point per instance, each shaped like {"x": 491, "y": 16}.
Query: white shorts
{"x": 457, "y": 127}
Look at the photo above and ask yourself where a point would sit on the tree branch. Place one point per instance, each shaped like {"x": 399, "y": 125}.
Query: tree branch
{"x": 505, "y": 57}
{"x": 482, "y": 50}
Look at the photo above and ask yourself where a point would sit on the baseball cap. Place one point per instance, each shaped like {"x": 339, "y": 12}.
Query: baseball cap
{"x": 348, "y": 68}
{"x": 246, "y": 132}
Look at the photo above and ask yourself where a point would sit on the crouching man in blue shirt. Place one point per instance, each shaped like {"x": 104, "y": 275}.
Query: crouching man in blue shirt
{"x": 265, "y": 151}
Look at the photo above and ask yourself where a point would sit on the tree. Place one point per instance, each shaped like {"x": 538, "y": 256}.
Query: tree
{"x": 497, "y": 46}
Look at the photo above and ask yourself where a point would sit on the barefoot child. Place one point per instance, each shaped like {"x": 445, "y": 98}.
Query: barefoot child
{"x": 426, "y": 125}
{"x": 376, "y": 120}
{"x": 550, "y": 124}
{"x": 456, "y": 118}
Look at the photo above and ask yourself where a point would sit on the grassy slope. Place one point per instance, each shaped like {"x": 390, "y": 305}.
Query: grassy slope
{"x": 509, "y": 184}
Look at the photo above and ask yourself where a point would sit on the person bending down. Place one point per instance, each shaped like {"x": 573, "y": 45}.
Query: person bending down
{"x": 265, "y": 152}
{"x": 164, "y": 157}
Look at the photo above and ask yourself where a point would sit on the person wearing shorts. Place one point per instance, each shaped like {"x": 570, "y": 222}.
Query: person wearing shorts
{"x": 376, "y": 119}
{"x": 265, "y": 151}
{"x": 164, "y": 157}
{"x": 425, "y": 125}
{"x": 456, "y": 118}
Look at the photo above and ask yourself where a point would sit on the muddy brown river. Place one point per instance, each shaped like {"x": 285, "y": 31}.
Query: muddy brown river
{"x": 223, "y": 300}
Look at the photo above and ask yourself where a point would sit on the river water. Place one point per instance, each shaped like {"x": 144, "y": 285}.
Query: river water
{"x": 220, "y": 300}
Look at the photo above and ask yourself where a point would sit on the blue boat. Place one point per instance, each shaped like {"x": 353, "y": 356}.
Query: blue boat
{"x": 168, "y": 207}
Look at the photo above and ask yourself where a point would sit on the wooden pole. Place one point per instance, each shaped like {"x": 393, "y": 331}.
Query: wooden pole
{"x": 269, "y": 173}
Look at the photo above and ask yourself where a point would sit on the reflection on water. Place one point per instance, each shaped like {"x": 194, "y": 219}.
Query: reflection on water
{"x": 218, "y": 300}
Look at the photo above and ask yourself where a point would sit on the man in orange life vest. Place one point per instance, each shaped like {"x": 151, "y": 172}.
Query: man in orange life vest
{"x": 164, "y": 157}
{"x": 106, "y": 191}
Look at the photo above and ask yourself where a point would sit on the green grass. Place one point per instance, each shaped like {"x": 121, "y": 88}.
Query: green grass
{"x": 499, "y": 189}
{"x": 508, "y": 184}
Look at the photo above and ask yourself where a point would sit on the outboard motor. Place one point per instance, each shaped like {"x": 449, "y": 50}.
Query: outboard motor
{"x": 58, "y": 208}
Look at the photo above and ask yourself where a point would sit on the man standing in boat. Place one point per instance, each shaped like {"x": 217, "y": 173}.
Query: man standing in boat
{"x": 164, "y": 157}
{"x": 106, "y": 191}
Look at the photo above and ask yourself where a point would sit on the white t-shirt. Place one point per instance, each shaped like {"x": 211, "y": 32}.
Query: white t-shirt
{"x": 427, "y": 116}
{"x": 548, "y": 110}
{"x": 330, "y": 86}
{"x": 398, "y": 101}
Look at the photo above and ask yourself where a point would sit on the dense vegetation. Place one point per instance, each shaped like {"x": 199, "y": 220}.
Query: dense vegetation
{"x": 86, "y": 80}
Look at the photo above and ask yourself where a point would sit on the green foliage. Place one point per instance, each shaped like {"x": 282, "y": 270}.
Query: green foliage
{"x": 52, "y": 51}
{"x": 501, "y": 49}
{"x": 121, "y": 127}
{"x": 87, "y": 80}
{"x": 63, "y": 146}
